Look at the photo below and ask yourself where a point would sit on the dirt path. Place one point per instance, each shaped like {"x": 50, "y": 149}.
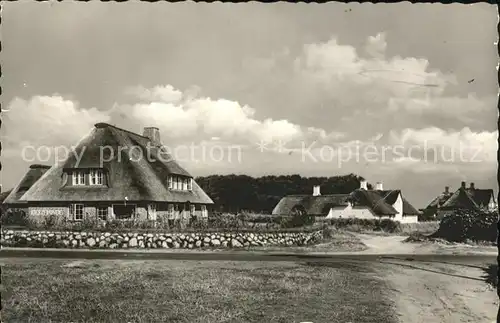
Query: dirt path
{"x": 436, "y": 292}
{"x": 379, "y": 244}
{"x": 440, "y": 293}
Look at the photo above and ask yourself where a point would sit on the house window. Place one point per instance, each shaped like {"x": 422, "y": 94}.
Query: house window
{"x": 78, "y": 178}
{"x": 170, "y": 211}
{"x": 204, "y": 212}
{"x": 124, "y": 212}
{"x": 76, "y": 212}
{"x": 152, "y": 211}
{"x": 102, "y": 213}
{"x": 180, "y": 183}
{"x": 96, "y": 177}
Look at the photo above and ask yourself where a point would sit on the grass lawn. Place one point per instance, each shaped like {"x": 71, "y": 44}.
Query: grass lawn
{"x": 189, "y": 291}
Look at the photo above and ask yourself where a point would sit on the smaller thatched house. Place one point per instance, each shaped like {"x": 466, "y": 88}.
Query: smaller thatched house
{"x": 113, "y": 174}
{"x": 465, "y": 198}
{"x": 12, "y": 200}
{"x": 361, "y": 203}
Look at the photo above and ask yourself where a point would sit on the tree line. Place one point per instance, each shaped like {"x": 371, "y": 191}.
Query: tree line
{"x": 236, "y": 193}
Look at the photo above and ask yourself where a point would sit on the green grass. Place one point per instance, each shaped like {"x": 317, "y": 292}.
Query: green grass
{"x": 189, "y": 291}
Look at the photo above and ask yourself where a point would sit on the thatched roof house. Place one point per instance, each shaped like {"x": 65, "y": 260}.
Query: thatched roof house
{"x": 114, "y": 173}
{"x": 361, "y": 202}
{"x": 34, "y": 173}
{"x": 466, "y": 198}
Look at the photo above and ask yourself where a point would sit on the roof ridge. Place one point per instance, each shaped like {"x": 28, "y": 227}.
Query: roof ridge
{"x": 101, "y": 125}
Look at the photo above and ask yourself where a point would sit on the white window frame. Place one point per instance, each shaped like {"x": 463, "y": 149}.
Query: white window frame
{"x": 73, "y": 213}
{"x": 99, "y": 215}
{"x": 78, "y": 178}
{"x": 96, "y": 177}
{"x": 171, "y": 210}
{"x": 190, "y": 184}
{"x": 170, "y": 180}
{"x": 152, "y": 208}
{"x": 204, "y": 212}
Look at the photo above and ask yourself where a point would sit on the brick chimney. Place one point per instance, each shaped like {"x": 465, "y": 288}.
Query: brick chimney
{"x": 472, "y": 186}
{"x": 446, "y": 189}
{"x": 153, "y": 134}
{"x": 463, "y": 184}
{"x": 316, "y": 190}
{"x": 379, "y": 186}
{"x": 363, "y": 185}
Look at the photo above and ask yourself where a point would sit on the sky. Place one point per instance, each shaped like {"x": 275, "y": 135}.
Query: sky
{"x": 403, "y": 94}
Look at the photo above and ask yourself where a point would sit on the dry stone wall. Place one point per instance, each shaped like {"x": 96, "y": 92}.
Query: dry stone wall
{"x": 108, "y": 240}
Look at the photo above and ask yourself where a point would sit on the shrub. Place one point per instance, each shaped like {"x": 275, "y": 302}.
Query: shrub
{"x": 15, "y": 217}
{"x": 298, "y": 220}
{"x": 466, "y": 225}
{"x": 356, "y": 224}
{"x": 49, "y": 222}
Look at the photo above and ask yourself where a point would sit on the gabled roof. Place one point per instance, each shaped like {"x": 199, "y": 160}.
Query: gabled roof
{"x": 482, "y": 197}
{"x": 379, "y": 201}
{"x": 467, "y": 198}
{"x": 131, "y": 172}
{"x": 391, "y": 197}
{"x": 374, "y": 200}
{"x": 4, "y": 195}
{"x": 314, "y": 205}
{"x": 34, "y": 173}
{"x": 439, "y": 200}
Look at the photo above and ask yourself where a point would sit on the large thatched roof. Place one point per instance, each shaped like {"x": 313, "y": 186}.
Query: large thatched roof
{"x": 379, "y": 201}
{"x": 131, "y": 173}
{"x": 34, "y": 173}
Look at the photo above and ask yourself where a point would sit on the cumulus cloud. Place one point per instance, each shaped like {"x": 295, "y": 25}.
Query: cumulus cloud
{"x": 376, "y": 46}
{"x": 158, "y": 93}
{"x": 48, "y": 120}
{"x": 225, "y": 118}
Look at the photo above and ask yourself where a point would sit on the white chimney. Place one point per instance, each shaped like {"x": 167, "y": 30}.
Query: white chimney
{"x": 379, "y": 186}
{"x": 316, "y": 190}
{"x": 363, "y": 185}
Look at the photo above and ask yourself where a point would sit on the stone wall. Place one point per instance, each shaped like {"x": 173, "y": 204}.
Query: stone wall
{"x": 107, "y": 240}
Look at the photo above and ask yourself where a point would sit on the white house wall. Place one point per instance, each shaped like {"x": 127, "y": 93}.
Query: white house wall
{"x": 409, "y": 219}
{"x": 358, "y": 212}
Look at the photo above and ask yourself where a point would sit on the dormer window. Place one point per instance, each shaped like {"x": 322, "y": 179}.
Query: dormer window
{"x": 96, "y": 177}
{"x": 180, "y": 183}
{"x": 78, "y": 178}
{"x": 87, "y": 177}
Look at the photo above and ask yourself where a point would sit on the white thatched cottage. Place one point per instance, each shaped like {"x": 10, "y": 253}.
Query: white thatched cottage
{"x": 362, "y": 203}
{"x": 120, "y": 175}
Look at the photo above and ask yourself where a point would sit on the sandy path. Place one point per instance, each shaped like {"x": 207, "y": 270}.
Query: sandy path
{"x": 435, "y": 292}
{"x": 422, "y": 295}
{"x": 379, "y": 244}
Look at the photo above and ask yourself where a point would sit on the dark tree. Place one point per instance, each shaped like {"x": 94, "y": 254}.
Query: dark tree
{"x": 236, "y": 193}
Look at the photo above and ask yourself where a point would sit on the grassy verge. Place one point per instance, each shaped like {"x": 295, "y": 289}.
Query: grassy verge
{"x": 183, "y": 291}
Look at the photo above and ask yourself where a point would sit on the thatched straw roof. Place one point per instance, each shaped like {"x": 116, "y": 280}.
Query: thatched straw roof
{"x": 34, "y": 173}
{"x": 313, "y": 205}
{"x": 130, "y": 173}
{"x": 379, "y": 201}
{"x": 467, "y": 198}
